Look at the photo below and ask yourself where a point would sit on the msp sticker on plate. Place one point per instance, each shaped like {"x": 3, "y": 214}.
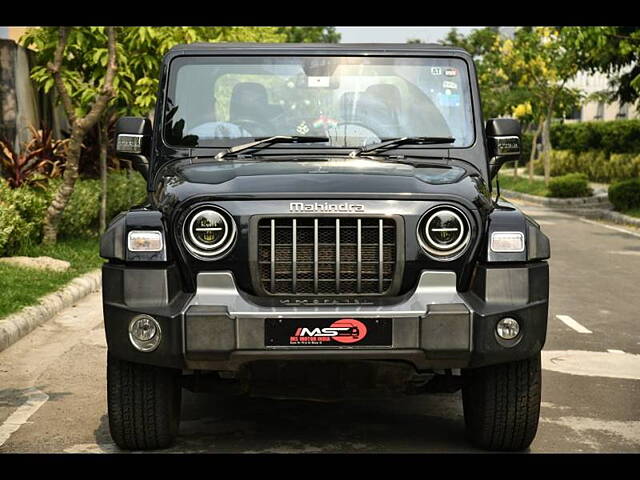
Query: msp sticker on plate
{"x": 451, "y": 72}
{"x": 312, "y": 332}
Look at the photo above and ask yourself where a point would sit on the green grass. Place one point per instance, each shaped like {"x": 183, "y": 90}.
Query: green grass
{"x": 523, "y": 185}
{"x": 22, "y": 287}
{"x": 634, "y": 212}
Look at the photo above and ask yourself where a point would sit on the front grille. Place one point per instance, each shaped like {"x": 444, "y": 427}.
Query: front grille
{"x": 326, "y": 255}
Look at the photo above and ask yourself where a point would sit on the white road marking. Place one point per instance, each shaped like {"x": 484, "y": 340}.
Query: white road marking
{"x": 610, "y": 227}
{"x": 35, "y": 399}
{"x": 593, "y": 364}
{"x": 570, "y": 322}
{"x": 612, "y": 350}
{"x": 624, "y": 252}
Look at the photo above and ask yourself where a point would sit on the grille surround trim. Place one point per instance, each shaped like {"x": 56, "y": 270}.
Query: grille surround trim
{"x": 254, "y": 266}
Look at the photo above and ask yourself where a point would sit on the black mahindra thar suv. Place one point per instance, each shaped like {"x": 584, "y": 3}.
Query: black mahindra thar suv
{"x": 321, "y": 218}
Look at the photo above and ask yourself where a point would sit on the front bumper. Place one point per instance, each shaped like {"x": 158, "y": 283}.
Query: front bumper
{"x": 434, "y": 326}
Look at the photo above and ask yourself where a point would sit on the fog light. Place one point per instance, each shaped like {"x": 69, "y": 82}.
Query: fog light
{"x": 144, "y": 333}
{"x": 508, "y": 328}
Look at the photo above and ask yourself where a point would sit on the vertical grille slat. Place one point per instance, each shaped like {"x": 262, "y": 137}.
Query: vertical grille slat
{"x": 380, "y": 256}
{"x": 315, "y": 255}
{"x": 337, "y": 255}
{"x": 273, "y": 254}
{"x": 359, "y": 258}
{"x": 326, "y": 255}
{"x": 294, "y": 256}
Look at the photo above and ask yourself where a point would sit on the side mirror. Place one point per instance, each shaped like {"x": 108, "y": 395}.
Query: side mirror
{"x": 503, "y": 142}
{"x": 133, "y": 142}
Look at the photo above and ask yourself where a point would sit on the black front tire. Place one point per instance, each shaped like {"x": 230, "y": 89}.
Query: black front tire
{"x": 502, "y": 404}
{"x": 143, "y": 404}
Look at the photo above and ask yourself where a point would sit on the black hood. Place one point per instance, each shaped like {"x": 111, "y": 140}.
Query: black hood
{"x": 320, "y": 178}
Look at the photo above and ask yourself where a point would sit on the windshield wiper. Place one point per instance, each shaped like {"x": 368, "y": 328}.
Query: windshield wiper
{"x": 396, "y": 142}
{"x": 265, "y": 142}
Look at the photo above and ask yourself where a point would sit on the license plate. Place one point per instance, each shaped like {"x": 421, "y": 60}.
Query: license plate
{"x": 328, "y": 332}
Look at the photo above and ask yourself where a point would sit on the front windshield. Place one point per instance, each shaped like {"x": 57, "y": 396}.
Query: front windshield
{"x": 354, "y": 101}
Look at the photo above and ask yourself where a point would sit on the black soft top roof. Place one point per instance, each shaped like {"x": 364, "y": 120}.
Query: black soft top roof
{"x": 317, "y": 49}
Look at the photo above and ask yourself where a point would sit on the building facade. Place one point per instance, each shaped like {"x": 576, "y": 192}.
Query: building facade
{"x": 591, "y": 83}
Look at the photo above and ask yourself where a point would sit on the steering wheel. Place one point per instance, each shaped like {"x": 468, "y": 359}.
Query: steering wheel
{"x": 257, "y": 129}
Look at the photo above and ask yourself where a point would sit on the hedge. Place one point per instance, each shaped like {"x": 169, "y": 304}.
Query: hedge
{"x": 597, "y": 165}
{"x": 625, "y": 195}
{"x": 569, "y": 186}
{"x": 616, "y": 136}
{"x": 22, "y": 209}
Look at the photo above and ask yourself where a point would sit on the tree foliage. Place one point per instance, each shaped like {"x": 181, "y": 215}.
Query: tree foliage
{"x": 611, "y": 50}
{"x": 140, "y": 51}
{"x": 69, "y": 68}
{"x": 499, "y": 92}
{"x": 517, "y": 75}
{"x": 310, "y": 34}
{"x": 525, "y": 76}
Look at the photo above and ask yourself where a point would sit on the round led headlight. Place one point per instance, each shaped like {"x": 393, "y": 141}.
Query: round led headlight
{"x": 444, "y": 233}
{"x": 209, "y": 232}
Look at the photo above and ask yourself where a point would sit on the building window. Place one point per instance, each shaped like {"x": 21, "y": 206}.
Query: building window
{"x": 600, "y": 111}
{"x": 623, "y": 112}
{"x": 576, "y": 114}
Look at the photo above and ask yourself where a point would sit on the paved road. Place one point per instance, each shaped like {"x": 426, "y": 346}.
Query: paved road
{"x": 52, "y": 382}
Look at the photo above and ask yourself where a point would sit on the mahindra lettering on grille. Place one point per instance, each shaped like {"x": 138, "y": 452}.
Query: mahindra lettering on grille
{"x": 326, "y": 255}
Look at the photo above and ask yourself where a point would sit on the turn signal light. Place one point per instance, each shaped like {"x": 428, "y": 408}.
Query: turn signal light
{"x": 507, "y": 242}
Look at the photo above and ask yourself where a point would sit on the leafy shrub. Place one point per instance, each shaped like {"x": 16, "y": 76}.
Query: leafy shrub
{"x": 40, "y": 158}
{"x": 29, "y": 204}
{"x": 569, "y": 186}
{"x": 623, "y": 166}
{"x": 593, "y": 163}
{"x": 618, "y": 136}
{"x": 80, "y": 215}
{"x": 625, "y": 195}
{"x": 125, "y": 188}
{"x": 22, "y": 209}
{"x": 12, "y": 228}
{"x": 597, "y": 165}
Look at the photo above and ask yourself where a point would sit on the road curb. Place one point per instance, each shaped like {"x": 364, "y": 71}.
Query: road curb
{"x": 611, "y": 216}
{"x": 600, "y": 201}
{"x": 17, "y": 325}
{"x": 599, "y": 209}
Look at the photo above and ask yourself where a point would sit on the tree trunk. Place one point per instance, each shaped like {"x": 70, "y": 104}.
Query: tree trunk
{"x": 534, "y": 148}
{"x": 79, "y": 128}
{"x": 104, "y": 138}
{"x": 546, "y": 143}
{"x": 63, "y": 194}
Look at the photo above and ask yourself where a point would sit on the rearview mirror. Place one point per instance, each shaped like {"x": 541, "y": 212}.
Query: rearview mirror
{"x": 133, "y": 142}
{"x": 503, "y": 142}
